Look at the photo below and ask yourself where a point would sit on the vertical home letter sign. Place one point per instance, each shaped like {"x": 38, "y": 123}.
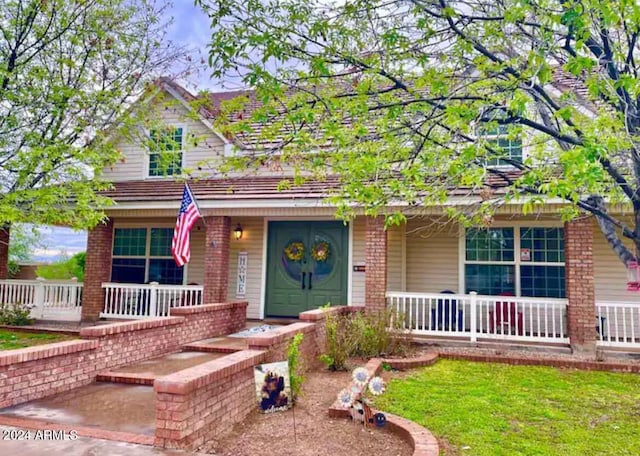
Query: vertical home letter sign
{"x": 241, "y": 287}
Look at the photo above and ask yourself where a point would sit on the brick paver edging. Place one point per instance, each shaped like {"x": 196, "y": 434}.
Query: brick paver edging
{"x": 208, "y": 308}
{"x": 423, "y": 441}
{"x": 24, "y": 355}
{"x": 129, "y": 326}
{"x": 27, "y": 423}
{"x": 609, "y": 366}
{"x": 409, "y": 363}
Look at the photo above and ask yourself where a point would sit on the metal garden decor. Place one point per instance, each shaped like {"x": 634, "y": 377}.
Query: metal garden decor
{"x": 355, "y": 398}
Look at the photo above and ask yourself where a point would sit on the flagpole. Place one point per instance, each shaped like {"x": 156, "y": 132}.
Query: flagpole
{"x": 204, "y": 222}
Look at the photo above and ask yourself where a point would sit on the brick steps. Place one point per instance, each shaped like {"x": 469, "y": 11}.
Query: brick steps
{"x": 126, "y": 377}
{"x": 219, "y": 345}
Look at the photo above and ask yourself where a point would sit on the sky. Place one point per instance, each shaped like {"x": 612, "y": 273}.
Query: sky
{"x": 190, "y": 27}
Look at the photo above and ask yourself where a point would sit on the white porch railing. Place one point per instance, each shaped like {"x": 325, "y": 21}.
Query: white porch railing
{"x": 475, "y": 316}
{"x": 48, "y": 300}
{"x": 618, "y": 324}
{"x": 128, "y": 300}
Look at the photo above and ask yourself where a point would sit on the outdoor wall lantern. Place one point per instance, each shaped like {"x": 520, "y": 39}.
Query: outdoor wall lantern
{"x": 237, "y": 233}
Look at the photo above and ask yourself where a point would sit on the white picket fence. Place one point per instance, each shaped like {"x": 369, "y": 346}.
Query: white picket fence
{"x": 131, "y": 301}
{"x": 48, "y": 300}
{"x": 472, "y": 316}
{"x": 618, "y": 324}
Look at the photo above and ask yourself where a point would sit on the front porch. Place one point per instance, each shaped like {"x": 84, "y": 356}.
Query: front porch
{"x": 523, "y": 281}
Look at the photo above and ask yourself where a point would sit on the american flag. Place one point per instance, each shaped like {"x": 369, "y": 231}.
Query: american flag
{"x": 187, "y": 217}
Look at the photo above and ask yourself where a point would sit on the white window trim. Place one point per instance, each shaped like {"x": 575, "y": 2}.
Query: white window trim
{"x": 462, "y": 250}
{"x": 147, "y": 252}
{"x": 147, "y": 153}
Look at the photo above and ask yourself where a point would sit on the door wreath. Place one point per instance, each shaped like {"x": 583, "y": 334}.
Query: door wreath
{"x": 294, "y": 251}
{"x": 321, "y": 251}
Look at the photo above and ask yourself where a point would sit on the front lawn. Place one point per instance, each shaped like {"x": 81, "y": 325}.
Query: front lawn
{"x": 10, "y": 339}
{"x": 497, "y": 409}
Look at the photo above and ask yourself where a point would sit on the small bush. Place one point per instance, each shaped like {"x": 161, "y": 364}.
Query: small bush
{"x": 296, "y": 379}
{"x": 362, "y": 334}
{"x": 15, "y": 315}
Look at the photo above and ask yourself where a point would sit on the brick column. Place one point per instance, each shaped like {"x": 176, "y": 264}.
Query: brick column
{"x": 581, "y": 311}
{"x": 4, "y": 252}
{"x": 375, "y": 285}
{"x": 97, "y": 269}
{"x": 216, "y": 259}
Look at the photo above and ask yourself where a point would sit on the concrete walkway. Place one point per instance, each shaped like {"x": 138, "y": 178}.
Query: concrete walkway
{"x": 82, "y": 446}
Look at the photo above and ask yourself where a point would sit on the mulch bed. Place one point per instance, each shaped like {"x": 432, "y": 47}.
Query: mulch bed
{"x": 315, "y": 433}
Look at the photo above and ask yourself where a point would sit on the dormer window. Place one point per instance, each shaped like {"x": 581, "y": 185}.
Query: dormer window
{"x": 165, "y": 151}
{"x": 501, "y": 141}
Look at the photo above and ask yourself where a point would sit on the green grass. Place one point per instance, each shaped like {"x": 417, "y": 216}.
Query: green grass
{"x": 497, "y": 409}
{"x": 10, "y": 339}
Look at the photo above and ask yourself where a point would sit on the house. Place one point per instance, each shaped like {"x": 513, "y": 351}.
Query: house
{"x": 536, "y": 278}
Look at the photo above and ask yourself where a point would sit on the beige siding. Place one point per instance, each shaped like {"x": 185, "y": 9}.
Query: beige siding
{"x": 359, "y": 257}
{"x": 610, "y": 274}
{"x": 200, "y": 144}
{"x": 252, "y": 242}
{"x": 394, "y": 258}
{"x": 432, "y": 258}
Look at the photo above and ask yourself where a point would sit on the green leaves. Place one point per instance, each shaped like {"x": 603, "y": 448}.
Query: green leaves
{"x": 399, "y": 100}
{"x": 69, "y": 72}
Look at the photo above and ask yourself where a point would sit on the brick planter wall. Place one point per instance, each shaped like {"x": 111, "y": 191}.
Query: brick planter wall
{"x": 216, "y": 258}
{"x": 204, "y": 401}
{"x": 97, "y": 270}
{"x": 31, "y": 373}
{"x": 4, "y": 252}
{"x": 274, "y": 343}
{"x": 375, "y": 282}
{"x": 37, "y": 372}
{"x": 579, "y": 273}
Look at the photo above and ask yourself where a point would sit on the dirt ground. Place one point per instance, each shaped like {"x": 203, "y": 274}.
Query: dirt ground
{"x": 316, "y": 434}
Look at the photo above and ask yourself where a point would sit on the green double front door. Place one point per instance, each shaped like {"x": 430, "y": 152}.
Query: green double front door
{"x": 306, "y": 266}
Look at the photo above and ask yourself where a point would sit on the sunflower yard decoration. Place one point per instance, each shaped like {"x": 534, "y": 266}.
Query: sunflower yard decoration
{"x": 356, "y": 401}
{"x": 321, "y": 251}
{"x": 294, "y": 251}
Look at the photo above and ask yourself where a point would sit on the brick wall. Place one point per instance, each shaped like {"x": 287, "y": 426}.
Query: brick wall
{"x": 97, "y": 269}
{"x": 376, "y": 263}
{"x": 4, "y": 253}
{"x": 203, "y": 322}
{"x": 579, "y": 274}
{"x": 216, "y": 258}
{"x": 200, "y": 403}
{"x": 36, "y": 372}
{"x": 274, "y": 343}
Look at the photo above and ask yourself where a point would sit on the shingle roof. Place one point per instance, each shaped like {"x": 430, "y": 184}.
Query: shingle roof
{"x": 255, "y": 188}
{"x": 219, "y": 189}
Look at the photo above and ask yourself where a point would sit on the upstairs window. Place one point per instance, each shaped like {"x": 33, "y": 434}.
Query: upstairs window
{"x": 165, "y": 154}
{"x": 502, "y": 142}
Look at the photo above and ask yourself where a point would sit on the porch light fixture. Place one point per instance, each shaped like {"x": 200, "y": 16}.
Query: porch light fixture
{"x": 237, "y": 233}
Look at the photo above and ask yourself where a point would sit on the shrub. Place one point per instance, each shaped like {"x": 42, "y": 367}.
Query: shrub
{"x": 363, "y": 334}
{"x": 15, "y": 315}
{"x": 296, "y": 379}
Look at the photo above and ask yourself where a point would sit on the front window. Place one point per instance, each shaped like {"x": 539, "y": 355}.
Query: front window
{"x": 165, "y": 152}
{"x": 143, "y": 255}
{"x": 527, "y": 261}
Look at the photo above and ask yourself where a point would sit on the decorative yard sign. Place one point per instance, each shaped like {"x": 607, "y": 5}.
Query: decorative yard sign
{"x": 272, "y": 386}
{"x": 241, "y": 288}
